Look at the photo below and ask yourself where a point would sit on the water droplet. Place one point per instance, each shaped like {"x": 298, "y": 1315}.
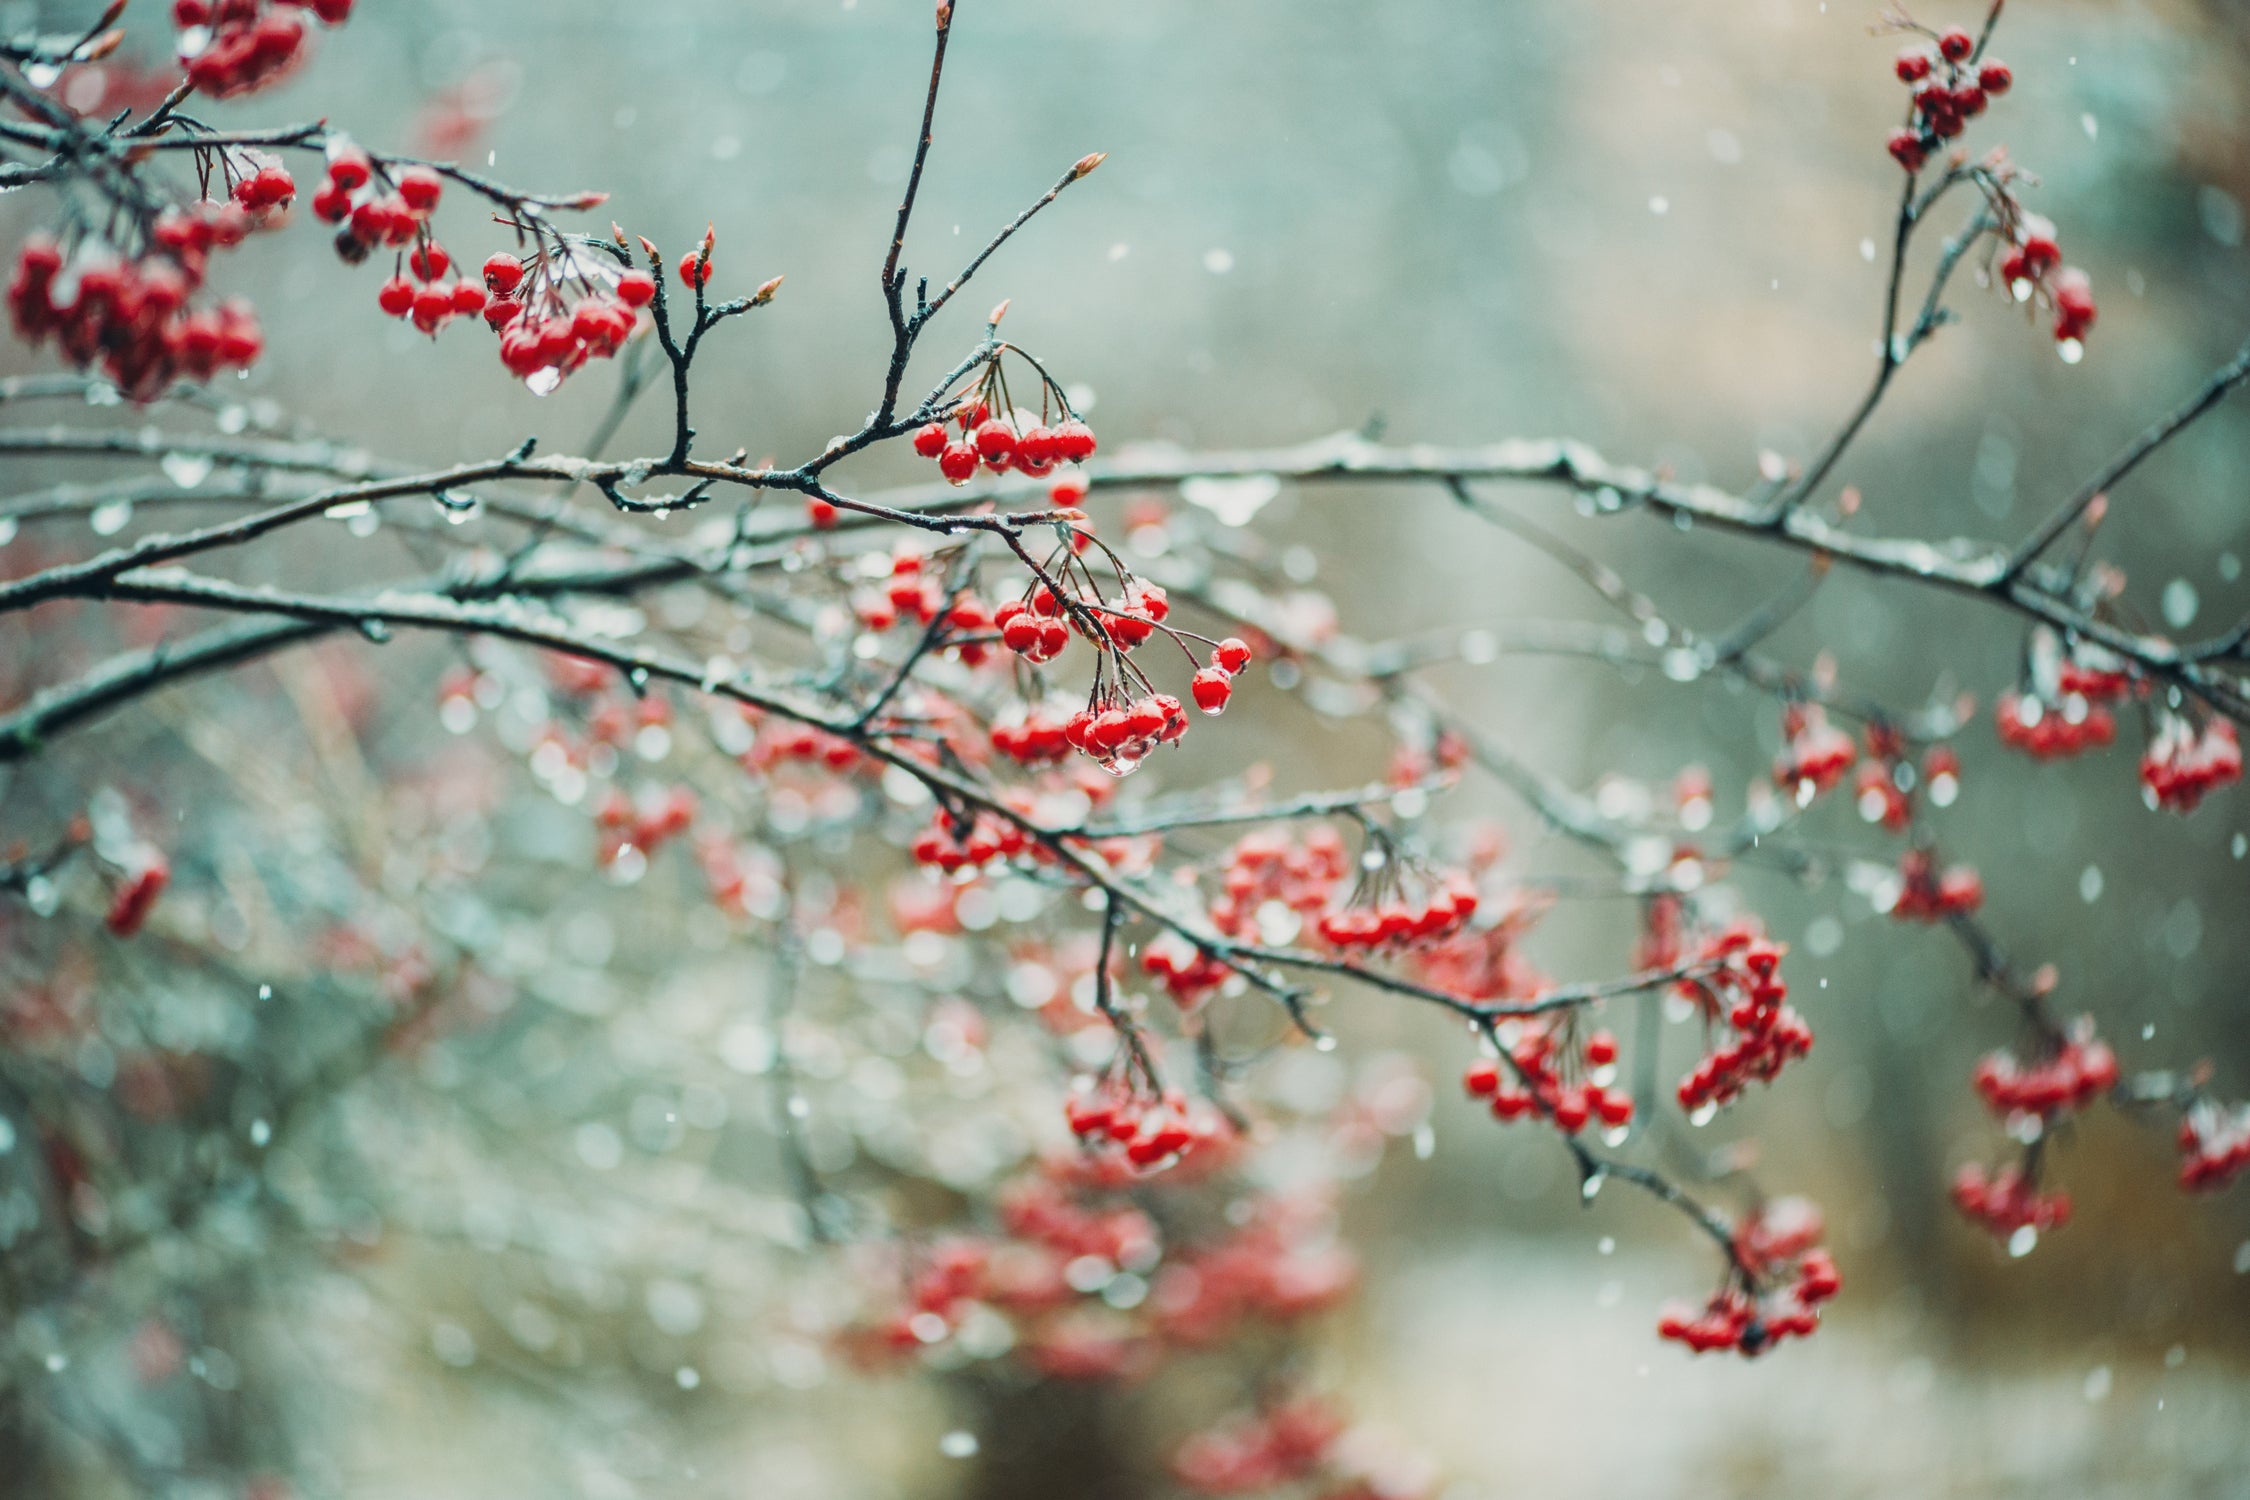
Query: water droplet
{"x": 111, "y": 518}
{"x": 187, "y": 470}
{"x": 543, "y": 382}
{"x": 42, "y": 74}
{"x": 2180, "y": 603}
{"x": 1606, "y": 1245}
{"x": 261, "y": 1132}
{"x": 1591, "y": 1188}
{"x": 958, "y": 1444}
{"x": 687, "y": 1377}
{"x": 1425, "y": 1142}
{"x": 2023, "y": 1241}
{"x": 1324, "y": 1043}
{"x": 7, "y": 530}
{"x": 2071, "y": 351}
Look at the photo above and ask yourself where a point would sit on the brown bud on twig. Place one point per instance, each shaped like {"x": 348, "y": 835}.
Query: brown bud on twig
{"x": 1087, "y": 163}
{"x": 945, "y": 12}
{"x": 617, "y": 232}
{"x": 648, "y": 248}
{"x": 101, "y": 46}
{"x": 764, "y": 294}
{"x": 999, "y": 312}
{"x": 585, "y": 200}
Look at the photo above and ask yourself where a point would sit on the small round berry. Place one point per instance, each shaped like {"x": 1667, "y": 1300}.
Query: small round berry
{"x": 395, "y": 296}
{"x": 468, "y": 297}
{"x": 1212, "y": 688}
{"x": 695, "y": 268}
{"x": 349, "y": 167}
{"x": 503, "y": 273}
{"x": 995, "y": 441}
{"x": 1956, "y": 44}
{"x": 636, "y": 288}
{"x": 1230, "y": 655}
{"x": 420, "y": 188}
{"x": 930, "y": 439}
{"x": 1913, "y": 65}
{"x": 1601, "y": 1049}
{"x": 958, "y": 462}
{"x": 1995, "y": 78}
{"x": 429, "y": 261}
{"x": 1907, "y": 149}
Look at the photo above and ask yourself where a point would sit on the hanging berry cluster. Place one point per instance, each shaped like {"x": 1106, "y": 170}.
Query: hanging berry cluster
{"x": 1125, "y": 717}
{"x": 986, "y": 430}
{"x": 2214, "y": 1144}
{"x": 130, "y": 316}
{"x": 1925, "y": 894}
{"x": 2051, "y": 730}
{"x": 233, "y": 46}
{"x": 2080, "y": 1069}
{"x": 1952, "y": 84}
{"x": 1396, "y": 901}
{"x": 2033, "y": 272}
{"x": 1815, "y": 754}
{"x": 2184, "y": 765}
{"x": 1551, "y": 1075}
{"x": 1778, "y": 1279}
{"x": 1742, "y": 987}
{"x": 1151, "y": 1129}
{"x": 2008, "y": 1202}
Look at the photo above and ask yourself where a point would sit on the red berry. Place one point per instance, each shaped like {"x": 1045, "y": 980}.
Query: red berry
{"x": 1913, "y": 65}
{"x": 349, "y": 167}
{"x": 1907, "y": 149}
{"x": 1995, "y": 78}
{"x": 1956, "y": 44}
{"x": 695, "y": 269}
{"x": 995, "y": 441}
{"x": 503, "y": 273}
{"x": 468, "y": 297}
{"x": 1212, "y": 688}
{"x": 395, "y": 296}
{"x": 429, "y": 261}
{"x": 419, "y": 188}
{"x": 930, "y": 439}
{"x": 636, "y": 288}
{"x": 1229, "y": 656}
{"x": 958, "y": 462}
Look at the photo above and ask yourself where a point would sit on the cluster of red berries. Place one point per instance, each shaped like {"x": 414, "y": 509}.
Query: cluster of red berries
{"x": 1789, "y": 1276}
{"x": 2051, "y": 731}
{"x": 1543, "y": 1065}
{"x": 374, "y": 208}
{"x": 1000, "y": 442}
{"x": 1214, "y": 685}
{"x": 1445, "y": 910}
{"x": 2033, "y": 265}
{"x": 783, "y": 740}
{"x": 1189, "y": 974}
{"x": 1815, "y": 754}
{"x": 1301, "y": 874}
{"x": 912, "y": 592}
{"x": 543, "y": 338}
{"x": 234, "y": 46}
{"x": 2008, "y": 1201}
{"x": 2182, "y": 766}
{"x": 1926, "y": 895}
{"x": 1951, "y": 87}
{"x": 131, "y": 317}
{"x": 1880, "y": 798}
{"x": 135, "y": 896}
{"x": 1151, "y": 1132}
{"x": 1032, "y": 737}
{"x": 2080, "y": 1071}
{"x": 952, "y": 848}
{"x": 1283, "y": 1445}
{"x": 1746, "y": 989}
{"x": 646, "y": 823}
{"x": 2214, "y": 1145}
